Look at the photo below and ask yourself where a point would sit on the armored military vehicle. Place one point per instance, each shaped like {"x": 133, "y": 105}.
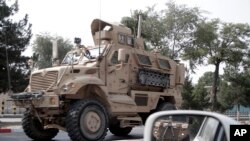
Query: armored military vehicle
{"x": 115, "y": 84}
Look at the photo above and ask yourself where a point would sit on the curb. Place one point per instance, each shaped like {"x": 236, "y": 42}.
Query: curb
{"x": 11, "y": 129}
{"x": 10, "y": 122}
{"x": 5, "y": 130}
{"x": 9, "y": 125}
{"x": 11, "y": 115}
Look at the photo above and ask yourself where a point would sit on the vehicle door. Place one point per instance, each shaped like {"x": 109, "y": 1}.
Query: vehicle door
{"x": 118, "y": 73}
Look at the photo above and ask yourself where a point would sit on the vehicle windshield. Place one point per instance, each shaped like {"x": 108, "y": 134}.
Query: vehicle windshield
{"x": 71, "y": 58}
{"x": 92, "y": 53}
{"x": 74, "y": 57}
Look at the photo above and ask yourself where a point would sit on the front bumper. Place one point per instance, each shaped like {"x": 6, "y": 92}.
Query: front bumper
{"x": 36, "y": 99}
{"x": 27, "y": 95}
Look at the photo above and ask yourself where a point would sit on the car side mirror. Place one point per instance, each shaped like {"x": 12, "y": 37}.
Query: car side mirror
{"x": 187, "y": 125}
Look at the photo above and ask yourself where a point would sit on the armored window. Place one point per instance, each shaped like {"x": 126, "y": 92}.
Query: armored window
{"x": 126, "y": 58}
{"x": 164, "y": 64}
{"x": 121, "y": 38}
{"x": 114, "y": 59}
{"x": 144, "y": 60}
{"x": 130, "y": 40}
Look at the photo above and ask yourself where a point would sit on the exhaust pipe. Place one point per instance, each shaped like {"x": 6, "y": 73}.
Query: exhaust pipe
{"x": 139, "y": 26}
{"x": 55, "y": 60}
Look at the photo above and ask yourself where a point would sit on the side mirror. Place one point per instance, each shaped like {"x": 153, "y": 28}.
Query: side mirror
{"x": 187, "y": 125}
{"x": 122, "y": 55}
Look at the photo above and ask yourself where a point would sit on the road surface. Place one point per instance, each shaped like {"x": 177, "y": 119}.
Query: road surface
{"x": 18, "y": 135}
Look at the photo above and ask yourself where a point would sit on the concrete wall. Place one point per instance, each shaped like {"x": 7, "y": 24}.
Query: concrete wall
{"x": 7, "y": 107}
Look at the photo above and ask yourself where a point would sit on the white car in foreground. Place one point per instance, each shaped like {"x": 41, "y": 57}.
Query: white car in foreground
{"x": 188, "y": 125}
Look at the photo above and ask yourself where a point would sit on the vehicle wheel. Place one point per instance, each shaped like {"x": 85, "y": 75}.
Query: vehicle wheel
{"x": 166, "y": 106}
{"x": 34, "y": 129}
{"x": 118, "y": 131}
{"x": 87, "y": 120}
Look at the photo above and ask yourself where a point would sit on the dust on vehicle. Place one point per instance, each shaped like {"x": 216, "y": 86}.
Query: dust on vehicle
{"x": 115, "y": 84}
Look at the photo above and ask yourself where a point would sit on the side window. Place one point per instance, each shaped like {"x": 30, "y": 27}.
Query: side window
{"x": 209, "y": 129}
{"x": 144, "y": 60}
{"x": 121, "y": 38}
{"x": 130, "y": 40}
{"x": 114, "y": 59}
{"x": 126, "y": 58}
{"x": 164, "y": 64}
{"x": 220, "y": 134}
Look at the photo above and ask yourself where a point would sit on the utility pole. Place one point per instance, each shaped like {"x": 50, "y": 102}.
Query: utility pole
{"x": 7, "y": 64}
{"x": 8, "y": 69}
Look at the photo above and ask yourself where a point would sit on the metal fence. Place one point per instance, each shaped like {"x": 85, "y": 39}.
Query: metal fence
{"x": 244, "y": 117}
{"x": 8, "y": 108}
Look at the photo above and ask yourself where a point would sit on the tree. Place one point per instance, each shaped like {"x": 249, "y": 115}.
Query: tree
{"x": 14, "y": 37}
{"x": 152, "y": 28}
{"x": 42, "y": 48}
{"x": 215, "y": 43}
{"x": 187, "y": 94}
{"x": 166, "y": 30}
{"x": 180, "y": 23}
{"x": 235, "y": 90}
{"x": 201, "y": 92}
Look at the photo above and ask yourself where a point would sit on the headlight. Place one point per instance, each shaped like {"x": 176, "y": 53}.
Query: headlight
{"x": 67, "y": 87}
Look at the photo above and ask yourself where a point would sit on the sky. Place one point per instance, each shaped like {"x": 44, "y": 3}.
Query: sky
{"x": 72, "y": 18}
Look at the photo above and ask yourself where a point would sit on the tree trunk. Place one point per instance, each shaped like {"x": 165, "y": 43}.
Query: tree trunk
{"x": 214, "y": 87}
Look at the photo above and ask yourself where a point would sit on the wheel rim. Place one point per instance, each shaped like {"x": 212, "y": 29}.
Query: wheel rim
{"x": 91, "y": 122}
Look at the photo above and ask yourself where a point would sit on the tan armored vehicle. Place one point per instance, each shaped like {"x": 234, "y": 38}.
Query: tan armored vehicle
{"x": 113, "y": 85}
{"x": 172, "y": 128}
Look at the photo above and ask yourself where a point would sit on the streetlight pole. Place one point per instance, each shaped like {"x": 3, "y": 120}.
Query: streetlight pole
{"x": 6, "y": 50}
{"x": 7, "y": 61}
{"x": 8, "y": 69}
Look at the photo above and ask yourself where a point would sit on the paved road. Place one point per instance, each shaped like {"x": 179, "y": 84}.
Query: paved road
{"x": 137, "y": 133}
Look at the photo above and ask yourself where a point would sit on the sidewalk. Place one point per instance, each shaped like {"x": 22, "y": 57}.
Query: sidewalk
{"x": 10, "y": 121}
{"x": 8, "y": 125}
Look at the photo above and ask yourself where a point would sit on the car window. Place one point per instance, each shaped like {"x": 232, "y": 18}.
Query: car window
{"x": 221, "y": 136}
{"x": 209, "y": 129}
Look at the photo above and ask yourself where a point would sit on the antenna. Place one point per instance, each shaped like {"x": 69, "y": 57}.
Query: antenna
{"x": 100, "y": 16}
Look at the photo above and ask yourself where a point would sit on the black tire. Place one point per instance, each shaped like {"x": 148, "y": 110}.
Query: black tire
{"x": 34, "y": 129}
{"x": 87, "y": 120}
{"x": 165, "y": 106}
{"x": 118, "y": 131}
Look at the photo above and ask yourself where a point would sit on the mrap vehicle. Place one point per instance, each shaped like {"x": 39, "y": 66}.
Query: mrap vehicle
{"x": 114, "y": 85}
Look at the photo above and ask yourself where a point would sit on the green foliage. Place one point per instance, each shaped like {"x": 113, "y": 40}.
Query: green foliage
{"x": 215, "y": 43}
{"x": 226, "y": 96}
{"x": 180, "y": 23}
{"x": 202, "y": 90}
{"x": 187, "y": 94}
{"x": 42, "y": 48}
{"x": 198, "y": 96}
{"x": 183, "y": 32}
{"x": 14, "y": 36}
{"x": 235, "y": 90}
{"x": 168, "y": 30}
